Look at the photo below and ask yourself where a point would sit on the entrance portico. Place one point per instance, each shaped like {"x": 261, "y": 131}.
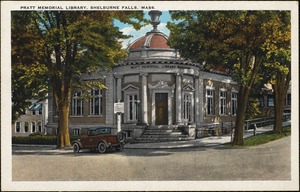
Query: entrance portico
{"x": 162, "y": 89}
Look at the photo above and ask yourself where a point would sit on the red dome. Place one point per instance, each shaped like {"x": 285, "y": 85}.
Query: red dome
{"x": 151, "y": 40}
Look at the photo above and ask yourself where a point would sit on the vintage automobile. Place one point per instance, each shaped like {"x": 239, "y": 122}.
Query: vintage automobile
{"x": 100, "y": 139}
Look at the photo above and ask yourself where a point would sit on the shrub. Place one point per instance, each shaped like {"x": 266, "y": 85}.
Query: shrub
{"x": 39, "y": 140}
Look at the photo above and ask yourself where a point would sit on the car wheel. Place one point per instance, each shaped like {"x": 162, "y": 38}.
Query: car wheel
{"x": 121, "y": 136}
{"x": 76, "y": 148}
{"x": 101, "y": 147}
{"x": 120, "y": 148}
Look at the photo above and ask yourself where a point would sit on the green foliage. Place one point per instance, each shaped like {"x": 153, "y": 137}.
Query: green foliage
{"x": 252, "y": 108}
{"x": 231, "y": 38}
{"x": 65, "y": 44}
{"x": 29, "y": 74}
{"x": 278, "y": 46}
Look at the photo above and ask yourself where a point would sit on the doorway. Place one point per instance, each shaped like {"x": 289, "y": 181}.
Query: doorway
{"x": 161, "y": 108}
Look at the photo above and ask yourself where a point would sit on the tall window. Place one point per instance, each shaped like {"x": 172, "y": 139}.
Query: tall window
{"x": 18, "y": 127}
{"x": 96, "y": 102}
{"x": 41, "y": 110}
{"x": 233, "y": 103}
{"x": 270, "y": 101}
{"x": 223, "y": 95}
{"x": 133, "y": 107}
{"x": 209, "y": 102}
{"x": 33, "y": 127}
{"x": 187, "y": 103}
{"x": 77, "y": 104}
{"x": 26, "y": 127}
{"x": 39, "y": 126}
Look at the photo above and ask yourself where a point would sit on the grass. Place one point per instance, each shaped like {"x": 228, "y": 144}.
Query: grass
{"x": 263, "y": 138}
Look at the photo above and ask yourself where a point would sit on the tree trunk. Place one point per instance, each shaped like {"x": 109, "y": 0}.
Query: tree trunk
{"x": 280, "y": 91}
{"x": 61, "y": 93}
{"x": 63, "y": 139}
{"x": 250, "y": 65}
{"x": 240, "y": 117}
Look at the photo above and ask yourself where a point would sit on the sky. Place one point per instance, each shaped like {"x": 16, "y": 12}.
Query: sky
{"x": 129, "y": 30}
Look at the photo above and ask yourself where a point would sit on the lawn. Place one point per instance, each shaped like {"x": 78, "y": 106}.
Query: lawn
{"x": 263, "y": 138}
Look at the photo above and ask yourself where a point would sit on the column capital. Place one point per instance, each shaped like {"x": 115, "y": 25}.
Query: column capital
{"x": 143, "y": 74}
{"x": 118, "y": 76}
{"x": 179, "y": 74}
{"x": 196, "y": 76}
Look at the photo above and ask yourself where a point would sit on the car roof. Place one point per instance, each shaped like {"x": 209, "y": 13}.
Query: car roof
{"x": 95, "y": 128}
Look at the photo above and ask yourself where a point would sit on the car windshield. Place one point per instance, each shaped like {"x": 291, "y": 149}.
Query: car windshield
{"x": 99, "y": 131}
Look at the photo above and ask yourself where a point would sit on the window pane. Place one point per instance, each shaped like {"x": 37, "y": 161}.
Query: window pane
{"x": 26, "y": 126}
{"x": 33, "y": 127}
{"x": 270, "y": 101}
{"x": 96, "y": 102}
{"x": 18, "y": 127}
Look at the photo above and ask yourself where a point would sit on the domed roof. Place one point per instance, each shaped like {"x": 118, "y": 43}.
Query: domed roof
{"x": 153, "y": 40}
{"x": 153, "y": 45}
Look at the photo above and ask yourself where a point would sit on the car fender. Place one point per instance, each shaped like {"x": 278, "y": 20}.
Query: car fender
{"x": 79, "y": 143}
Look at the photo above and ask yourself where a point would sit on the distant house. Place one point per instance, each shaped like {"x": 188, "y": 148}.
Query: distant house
{"x": 33, "y": 121}
{"x": 266, "y": 101}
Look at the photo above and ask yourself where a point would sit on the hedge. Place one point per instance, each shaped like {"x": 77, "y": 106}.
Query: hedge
{"x": 37, "y": 139}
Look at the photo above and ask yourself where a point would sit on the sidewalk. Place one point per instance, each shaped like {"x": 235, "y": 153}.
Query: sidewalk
{"x": 202, "y": 142}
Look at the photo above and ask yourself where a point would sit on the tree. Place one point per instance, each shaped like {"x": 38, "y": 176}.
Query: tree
{"x": 278, "y": 62}
{"x": 29, "y": 74}
{"x": 234, "y": 39}
{"x": 71, "y": 44}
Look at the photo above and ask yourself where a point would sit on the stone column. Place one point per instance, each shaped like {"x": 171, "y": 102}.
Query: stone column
{"x": 119, "y": 98}
{"x": 178, "y": 98}
{"x": 119, "y": 87}
{"x": 201, "y": 99}
{"x": 144, "y": 101}
{"x": 109, "y": 96}
{"x": 197, "y": 103}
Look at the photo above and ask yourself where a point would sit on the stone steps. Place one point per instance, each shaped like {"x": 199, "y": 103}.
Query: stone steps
{"x": 157, "y": 140}
{"x": 162, "y": 132}
{"x": 155, "y": 134}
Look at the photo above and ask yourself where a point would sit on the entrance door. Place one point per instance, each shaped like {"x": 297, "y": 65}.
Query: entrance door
{"x": 161, "y": 108}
